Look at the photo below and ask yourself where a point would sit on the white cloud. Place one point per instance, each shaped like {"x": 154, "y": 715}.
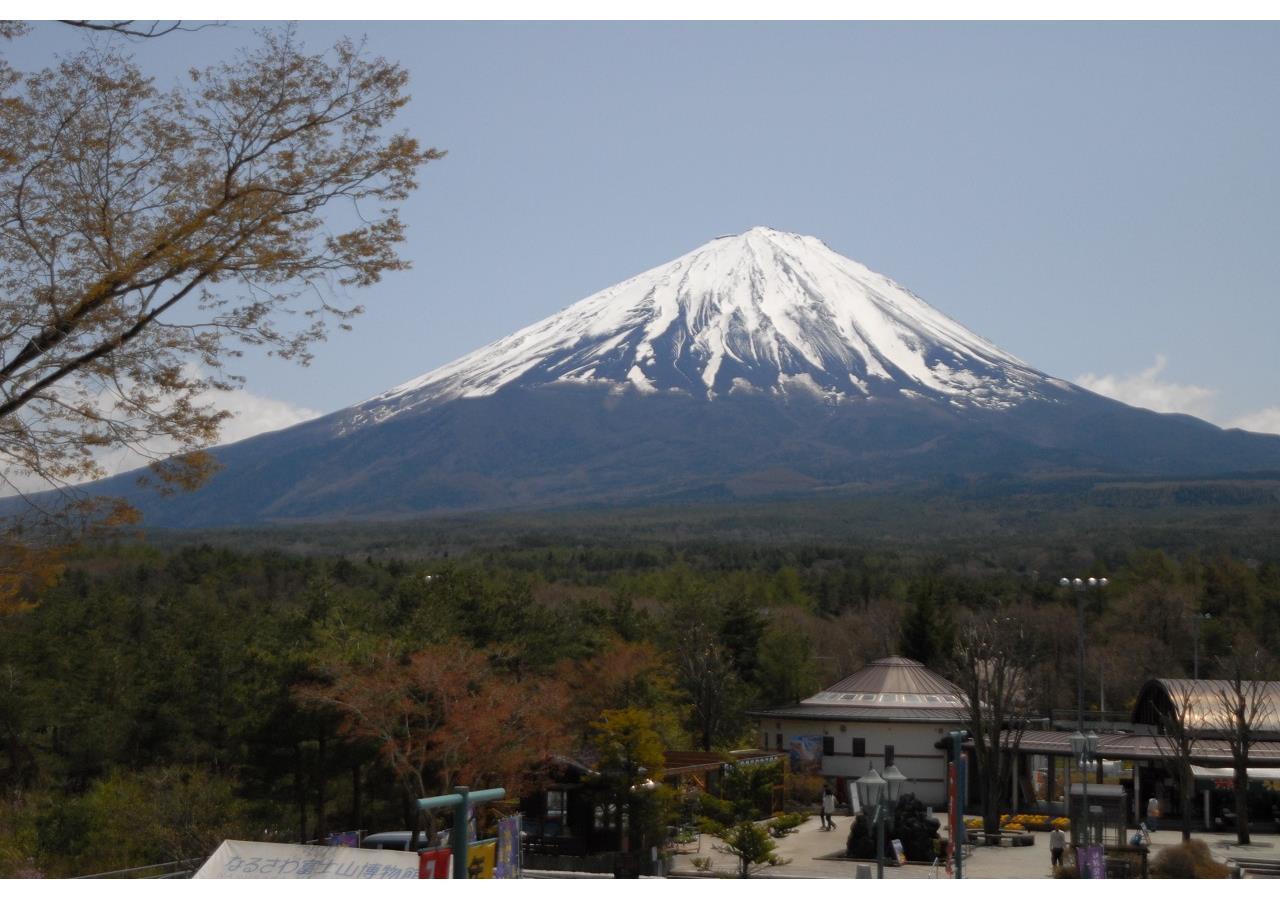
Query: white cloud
{"x": 253, "y": 414}
{"x": 1266, "y": 421}
{"x": 1148, "y": 390}
{"x": 250, "y": 414}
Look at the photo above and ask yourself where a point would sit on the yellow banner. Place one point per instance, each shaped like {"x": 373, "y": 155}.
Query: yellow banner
{"x": 481, "y": 858}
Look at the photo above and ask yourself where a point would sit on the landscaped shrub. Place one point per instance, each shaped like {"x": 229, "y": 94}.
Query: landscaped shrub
{"x": 712, "y": 807}
{"x": 749, "y": 788}
{"x": 1190, "y": 859}
{"x": 710, "y": 826}
{"x": 787, "y": 823}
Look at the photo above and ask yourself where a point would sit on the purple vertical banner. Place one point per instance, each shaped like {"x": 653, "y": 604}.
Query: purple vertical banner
{"x": 1097, "y": 861}
{"x": 344, "y": 839}
{"x": 508, "y": 862}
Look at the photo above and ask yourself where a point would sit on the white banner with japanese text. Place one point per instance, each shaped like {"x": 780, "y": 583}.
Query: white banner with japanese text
{"x": 253, "y": 859}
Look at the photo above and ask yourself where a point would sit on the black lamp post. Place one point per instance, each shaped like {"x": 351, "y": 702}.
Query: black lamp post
{"x": 1085, "y": 748}
{"x": 878, "y": 795}
{"x": 1079, "y": 585}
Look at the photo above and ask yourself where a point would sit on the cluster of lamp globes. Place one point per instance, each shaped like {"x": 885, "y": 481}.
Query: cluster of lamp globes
{"x": 874, "y": 788}
{"x": 1079, "y": 583}
{"x": 1084, "y": 746}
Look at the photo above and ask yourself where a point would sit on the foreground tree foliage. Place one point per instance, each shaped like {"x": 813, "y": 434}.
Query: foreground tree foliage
{"x": 443, "y": 716}
{"x": 147, "y": 234}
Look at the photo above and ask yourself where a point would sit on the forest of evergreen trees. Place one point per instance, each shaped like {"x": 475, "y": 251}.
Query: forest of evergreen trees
{"x": 156, "y": 700}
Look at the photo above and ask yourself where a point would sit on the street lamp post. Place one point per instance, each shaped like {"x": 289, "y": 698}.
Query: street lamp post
{"x": 1085, "y": 748}
{"x": 878, "y": 794}
{"x": 1079, "y": 585}
{"x": 1197, "y": 620}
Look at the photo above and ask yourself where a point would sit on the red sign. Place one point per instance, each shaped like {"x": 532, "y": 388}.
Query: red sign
{"x": 435, "y": 863}
{"x": 953, "y": 815}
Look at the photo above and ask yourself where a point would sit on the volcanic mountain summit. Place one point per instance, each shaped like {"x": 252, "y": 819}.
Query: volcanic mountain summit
{"x": 763, "y": 311}
{"x": 762, "y": 363}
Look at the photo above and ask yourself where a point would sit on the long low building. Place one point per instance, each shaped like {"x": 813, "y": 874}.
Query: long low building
{"x": 892, "y": 711}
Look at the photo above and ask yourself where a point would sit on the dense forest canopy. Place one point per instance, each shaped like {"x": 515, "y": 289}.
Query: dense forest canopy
{"x": 153, "y": 688}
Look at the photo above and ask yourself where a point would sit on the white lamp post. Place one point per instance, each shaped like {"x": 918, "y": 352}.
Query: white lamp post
{"x": 871, "y": 793}
{"x": 878, "y": 795}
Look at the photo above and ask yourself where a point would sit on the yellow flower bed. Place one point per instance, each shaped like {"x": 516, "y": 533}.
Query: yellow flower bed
{"x": 1020, "y": 822}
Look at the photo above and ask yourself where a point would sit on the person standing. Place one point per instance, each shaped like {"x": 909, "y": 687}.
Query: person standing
{"x": 828, "y": 808}
{"x": 1057, "y": 843}
{"x": 1153, "y": 813}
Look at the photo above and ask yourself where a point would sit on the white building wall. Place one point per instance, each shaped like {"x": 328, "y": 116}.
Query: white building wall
{"x": 914, "y": 754}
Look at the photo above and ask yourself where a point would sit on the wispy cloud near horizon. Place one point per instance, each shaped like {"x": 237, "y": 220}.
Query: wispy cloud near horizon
{"x": 1149, "y": 390}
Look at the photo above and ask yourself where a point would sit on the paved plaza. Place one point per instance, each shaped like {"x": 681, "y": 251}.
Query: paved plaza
{"x": 809, "y": 844}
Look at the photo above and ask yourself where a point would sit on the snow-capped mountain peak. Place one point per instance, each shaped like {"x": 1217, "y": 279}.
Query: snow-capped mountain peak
{"x": 764, "y": 310}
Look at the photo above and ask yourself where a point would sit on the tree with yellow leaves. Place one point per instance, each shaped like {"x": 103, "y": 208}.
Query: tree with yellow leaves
{"x": 149, "y": 234}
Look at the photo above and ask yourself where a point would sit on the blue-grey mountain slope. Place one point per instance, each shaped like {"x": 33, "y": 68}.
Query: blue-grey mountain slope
{"x": 760, "y": 363}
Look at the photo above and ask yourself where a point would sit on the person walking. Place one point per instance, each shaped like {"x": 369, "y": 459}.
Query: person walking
{"x": 1153, "y": 813}
{"x": 828, "y": 808}
{"x": 1057, "y": 843}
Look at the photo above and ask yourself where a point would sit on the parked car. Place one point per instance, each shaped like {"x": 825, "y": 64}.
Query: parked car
{"x": 399, "y": 840}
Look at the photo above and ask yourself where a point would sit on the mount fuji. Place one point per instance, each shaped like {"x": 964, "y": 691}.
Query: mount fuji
{"x": 759, "y": 364}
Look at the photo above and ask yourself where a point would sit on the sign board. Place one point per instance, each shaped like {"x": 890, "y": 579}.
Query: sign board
{"x": 953, "y": 831}
{"x": 482, "y": 859}
{"x": 854, "y": 806}
{"x": 508, "y": 865}
{"x": 1092, "y": 861}
{"x": 435, "y": 863}
{"x": 255, "y": 859}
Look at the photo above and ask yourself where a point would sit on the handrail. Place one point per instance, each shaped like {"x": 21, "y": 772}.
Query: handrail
{"x": 176, "y": 862}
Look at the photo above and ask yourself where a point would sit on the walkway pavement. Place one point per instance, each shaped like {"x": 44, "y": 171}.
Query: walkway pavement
{"x": 806, "y": 847}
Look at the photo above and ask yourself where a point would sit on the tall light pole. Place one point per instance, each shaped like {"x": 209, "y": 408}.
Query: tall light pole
{"x": 1079, "y": 585}
{"x": 877, "y": 794}
{"x": 1085, "y": 748}
{"x": 1196, "y": 621}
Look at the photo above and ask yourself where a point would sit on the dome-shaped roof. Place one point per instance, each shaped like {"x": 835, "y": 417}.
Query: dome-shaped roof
{"x": 894, "y": 682}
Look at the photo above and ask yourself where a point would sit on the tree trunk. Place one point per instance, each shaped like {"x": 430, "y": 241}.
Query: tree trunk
{"x": 1242, "y": 799}
{"x": 991, "y": 799}
{"x": 356, "y": 812}
{"x": 300, "y": 783}
{"x": 1186, "y": 789}
{"x": 321, "y": 780}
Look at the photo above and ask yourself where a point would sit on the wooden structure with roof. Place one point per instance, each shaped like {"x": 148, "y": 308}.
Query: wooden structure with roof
{"x": 892, "y": 710}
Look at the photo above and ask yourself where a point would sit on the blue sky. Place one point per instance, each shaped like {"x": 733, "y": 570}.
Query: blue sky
{"x": 1099, "y": 199}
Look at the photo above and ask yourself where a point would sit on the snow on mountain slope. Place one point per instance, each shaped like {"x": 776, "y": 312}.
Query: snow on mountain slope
{"x": 760, "y": 311}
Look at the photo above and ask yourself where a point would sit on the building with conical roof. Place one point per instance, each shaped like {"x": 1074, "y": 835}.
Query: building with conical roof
{"x": 891, "y": 712}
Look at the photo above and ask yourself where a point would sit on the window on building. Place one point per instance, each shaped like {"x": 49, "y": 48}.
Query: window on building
{"x": 828, "y": 746}
{"x": 859, "y": 747}
{"x": 556, "y": 821}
